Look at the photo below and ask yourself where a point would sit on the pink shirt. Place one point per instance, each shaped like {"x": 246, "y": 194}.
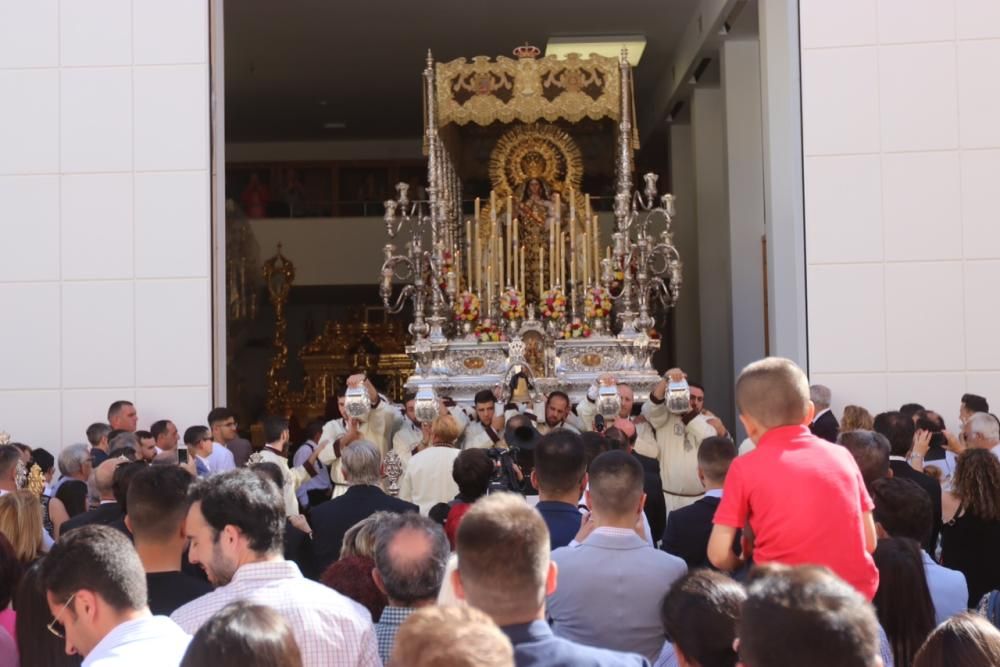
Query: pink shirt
{"x": 804, "y": 499}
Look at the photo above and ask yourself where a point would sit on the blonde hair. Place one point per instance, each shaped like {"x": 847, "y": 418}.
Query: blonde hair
{"x": 774, "y": 392}
{"x": 976, "y": 482}
{"x": 359, "y": 539}
{"x": 856, "y": 418}
{"x": 445, "y": 429}
{"x": 21, "y": 524}
{"x": 451, "y": 637}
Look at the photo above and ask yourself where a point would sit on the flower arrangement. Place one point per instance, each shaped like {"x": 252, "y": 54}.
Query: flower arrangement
{"x": 467, "y": 307}
{"x": 487, "y": 332}
{"x": 553, "y": 304}
{"x": 512, "y": 304}
{"x": 447, "y": 264}
{"x": 597, "y": 302}
{"x": 576, "y": 329}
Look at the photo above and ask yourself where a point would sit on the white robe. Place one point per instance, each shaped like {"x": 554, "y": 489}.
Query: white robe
{"x": 676, "y": 448}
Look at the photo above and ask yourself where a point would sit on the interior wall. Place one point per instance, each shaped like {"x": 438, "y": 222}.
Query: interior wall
{"x": 104, "y": 175}
{"x": 305, "y": 151}
{"x": 900, "y": 103}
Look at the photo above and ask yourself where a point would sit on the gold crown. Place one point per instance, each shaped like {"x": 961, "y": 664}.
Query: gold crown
{"x": 533, "y": 165}
{"x": 527, "y": 51}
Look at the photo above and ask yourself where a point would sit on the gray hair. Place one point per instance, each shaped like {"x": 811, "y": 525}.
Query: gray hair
{"x": 362, "y": 463}
{"x": 985, "y": 425}
{"x": 73, "y": 458}
{"x": 415, "y": 574}
{"x": 97, "y": 432}
{"x": 126, "y": 440}
{"x": 820, "y": 396}
{"x": 359, "y": 539}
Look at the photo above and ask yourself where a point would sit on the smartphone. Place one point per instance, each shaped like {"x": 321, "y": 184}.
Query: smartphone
{"x": 182, "y": 455}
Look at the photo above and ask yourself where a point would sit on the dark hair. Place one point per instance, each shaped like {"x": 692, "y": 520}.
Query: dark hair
{"x": 696, "y": 385}
{"x": 314, "y": 429}
{"x": 219, "y": 415}
{"x": 99, "y": 559}
{"x": 898, "y": 429}
{"x": 157, "y": 502}
{"x": 484, "y": 396}
{"x": 43, "y": 459}
{"x": 274, "y": 427}
{"x": 352, "y": 577}
{"x": 964, "y": 640}
{"x": 411, "y": 577}
{"x": 870, "y": 451}
{"x": 903, "y": 508}
{"x": 975, "y": 403}
{"x": 242, "y": 634}
{"x": 271, "y": 472}
{"x": 122, "y": 480}
{"x": 36, "y": 645}
{"x": 96, "y": 431}
{"x": 616, "y": 482}
{"x": 594, "y": 444}
{"x": 560, "y": 462}
{"x": 158, "y": 428}
{"x": 903, "y": 601}
{"x": 910, "y": 409}
{"x": 116, "y": 407}
{"x": 114, "y": 433}
{"x": 805, "y": 616}
{"x": 925, "y": 421}
{"x": 699, "y": 615}
{"x": 715, "y": 454}
{"x": 10, "y": 571}
{"x": 143, "y": 435}
{"x": 194, "y": 434}
{"x": 472, "y": 471}
{"x": 9, "y": 456}
{"x": 558, "y": 394}
{"x": 243, "y": 499}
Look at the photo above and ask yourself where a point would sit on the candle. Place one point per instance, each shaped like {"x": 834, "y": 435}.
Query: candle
{"x": 518, "y": 258}
{"x": 479, "y": 260}
{"x": 493, "y": 205}
{"x": 558, "y": 209}
{"x": 520, "y": 265}
{"x": 595, "y": 249}
{"x": 552, "y": 255}
{"x": 468, "y": 253}
{"x": 586, "y": 260}
{"x": 587, "y": 208}
{"x": 489, "y": 290}
{"x": 500, "y": 262}
{"x": 541, "y": 264}
{"x": 572, "y": 239}
{"x": 510, "y": 240}
{"x": 561, "y": 264}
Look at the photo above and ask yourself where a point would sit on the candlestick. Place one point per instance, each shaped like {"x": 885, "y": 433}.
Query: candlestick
{"x": 489, "y": 290}
{"x": 479, "y": 258}
{"x": 572, "y": 239}
{"x": 541, "y": 273}
{"x": 468, "y": 253}
{"x": 524, "y": 294}
{"x": 586, "y": 260}
{"x": 587, "y": 208}
{"x": 493, "y": 205}
{"x": 510, "y": 240}
{"x": 595, "y": 240}
{"x": 558, "y": 210}
{"x": 552, "y": 255}
{"x": 561, "y": 264}
{"x": 518, "y": 258}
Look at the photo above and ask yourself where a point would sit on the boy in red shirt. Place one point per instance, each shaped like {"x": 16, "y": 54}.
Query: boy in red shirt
{"x": 801, "y": 499}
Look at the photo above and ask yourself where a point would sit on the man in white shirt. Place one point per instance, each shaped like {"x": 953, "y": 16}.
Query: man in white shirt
{"x": 236, "y": 523}
{"x": 485, "y": 427}
{"x": 677, "y": 441}
{"x": 276, "y": 432}
{"x": 96, "y": 590}
{"x": 556, "y": 411}
{"x": 587, "y": 412}
{"x": 428, "y": 479}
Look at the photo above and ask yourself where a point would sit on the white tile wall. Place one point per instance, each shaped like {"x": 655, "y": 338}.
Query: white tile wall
{"x": 97, "y": 201}
{"x": 30, "y": 223}
{"x": 840, "y": 97}
{"x": 924, "y": 190}
{"x": 979, "y": 93}
{"x": 170, "y": 315}
{"x": 95, "y": 33}
{"x": 980, "y": 213}
{"x": 171, "y": 113}
{"x": 92, "y": 91}
{"x": 29, "y": 33}
{"x": 96, "y": 119}
{"x": 917, "y": 97}
{"x": 902, "y": 21}
{"x": 29, "y": 130}
{"x": 27, "y": 342}
{"x": 921, "y": 195}
{"x": 170, "y": 32}
{"x": 844, "y": 208}
{"x": 171, "y": 225}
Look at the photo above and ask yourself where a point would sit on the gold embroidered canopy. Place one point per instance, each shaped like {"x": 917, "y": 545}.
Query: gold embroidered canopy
{"x": 529, "y": 89}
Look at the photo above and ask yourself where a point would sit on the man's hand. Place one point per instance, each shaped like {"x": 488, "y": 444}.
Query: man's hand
{"x": 606, "y": 380}
{"x": 301, "y": 523}
{"x": 921, "y": 443}
{"x": 675, "y": 375}
{"x": 953, "y": 443}
{"x": 190, "y": 465}
{"x": 323, "y": 444}
{"x": 356, "y": 380}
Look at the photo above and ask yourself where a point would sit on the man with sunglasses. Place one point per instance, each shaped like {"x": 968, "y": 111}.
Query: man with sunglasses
{"x": 96, "y": 590}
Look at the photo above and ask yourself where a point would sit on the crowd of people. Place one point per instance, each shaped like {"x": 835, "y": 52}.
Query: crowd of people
{"x": 507, "y": 533}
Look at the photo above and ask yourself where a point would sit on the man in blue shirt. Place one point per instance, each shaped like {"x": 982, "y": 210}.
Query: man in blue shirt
{"x": 560, "y": 475}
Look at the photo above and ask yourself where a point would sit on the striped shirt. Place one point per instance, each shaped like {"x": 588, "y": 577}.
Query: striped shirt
{"x": 330, "y": 629}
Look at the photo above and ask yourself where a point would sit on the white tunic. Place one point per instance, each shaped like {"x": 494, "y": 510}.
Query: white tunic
{"x": 676, "y": 448}
{"x": 427, "y": 480}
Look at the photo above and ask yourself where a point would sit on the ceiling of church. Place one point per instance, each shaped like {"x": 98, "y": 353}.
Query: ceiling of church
{"x": 294, "y": 66}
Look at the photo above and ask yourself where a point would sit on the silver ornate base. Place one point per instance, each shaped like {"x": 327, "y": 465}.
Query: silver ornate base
{"x": 461, "y": 368}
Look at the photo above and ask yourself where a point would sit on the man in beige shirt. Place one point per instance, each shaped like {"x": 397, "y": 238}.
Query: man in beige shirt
{"x": 276, "y": 432}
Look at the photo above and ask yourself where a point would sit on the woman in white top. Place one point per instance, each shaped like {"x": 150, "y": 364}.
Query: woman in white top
{"x": 427, "y": 480}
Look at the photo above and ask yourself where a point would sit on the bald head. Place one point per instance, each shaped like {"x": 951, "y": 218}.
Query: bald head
{"x": 774, "y": 392}
{"x": 411, "y": 553}
{"x": 104, "y": 478}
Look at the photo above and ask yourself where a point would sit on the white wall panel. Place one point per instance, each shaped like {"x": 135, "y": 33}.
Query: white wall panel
{"x": 96, "y": 119}
{"x": 29, "y": 33}
{"x": 171, "y": 315}
{"x": 97, "y": 226}
{"x": 840, "y": 101}
{"x": 843, "y": 196}
{"x": 171, "y": 224}
{"x": 30, "y": 223}
{"x": 918, "y": 101}
{"x": 95, "y": 33}
{"x": 29, "y": 129}
{"x": 98, "y": 338}
{"x": 842, "y": 23}
{"x": 170, "y": 32}
{"x": 921, "y": 195}
{"x": 29, "y": 341}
